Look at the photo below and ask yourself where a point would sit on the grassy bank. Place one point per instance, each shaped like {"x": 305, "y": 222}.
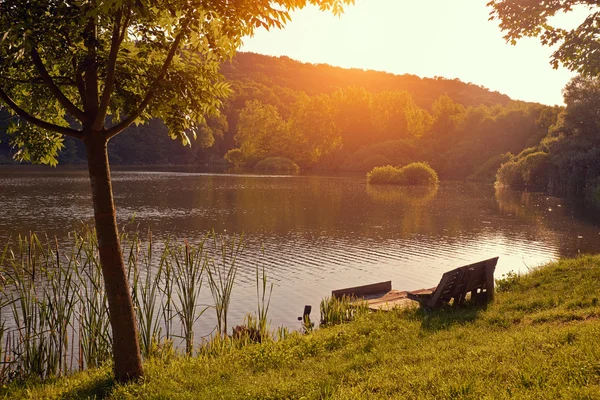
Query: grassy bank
{"x": 540, "y": 339}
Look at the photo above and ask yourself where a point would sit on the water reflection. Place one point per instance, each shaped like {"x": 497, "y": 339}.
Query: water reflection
{"x": 318, "y": 233}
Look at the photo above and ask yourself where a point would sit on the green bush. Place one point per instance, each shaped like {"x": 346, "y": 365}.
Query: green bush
{"x": 418, "y": 174}
{"x": 386, "y": 174}
{"x": 415, "y": 174}
{"x": 535, "y": 168}
{"x": 486, "y": 172}
{"x": 235, "y": 157}
{"x": 277, "y": 164}
{"x": 531, "y": 171}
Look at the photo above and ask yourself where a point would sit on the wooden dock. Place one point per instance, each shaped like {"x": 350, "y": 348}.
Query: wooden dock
{"x": 475, "y": 280}
{"x": 379, "y": 296}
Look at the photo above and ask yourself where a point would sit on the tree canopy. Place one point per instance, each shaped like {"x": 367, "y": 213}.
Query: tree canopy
{"x": 578, "y": 48}
{"x": 65, "y": 65}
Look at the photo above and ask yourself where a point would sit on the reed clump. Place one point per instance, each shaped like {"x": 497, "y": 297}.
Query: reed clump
{"x": 54, "y": 311}
{"x": 335, "y": 311}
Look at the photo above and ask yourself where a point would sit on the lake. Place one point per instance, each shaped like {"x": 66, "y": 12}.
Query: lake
{"x": 317, "y": 233}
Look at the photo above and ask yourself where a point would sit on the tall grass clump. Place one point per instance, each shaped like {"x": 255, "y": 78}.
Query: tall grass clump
{"x": 277, "y": 164}
{"x": 335, "y": 311}
{"x": 54, "y": 311}
{"x": 222, "y": 269}
{"x": 414, "y": 174}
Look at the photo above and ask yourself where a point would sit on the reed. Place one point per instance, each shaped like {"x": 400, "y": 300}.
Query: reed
{"x": 222, "y": 270}
{"x": 53, "y": 306}
{"x": 336, "y": 311}
{"x": 54, "y": 312}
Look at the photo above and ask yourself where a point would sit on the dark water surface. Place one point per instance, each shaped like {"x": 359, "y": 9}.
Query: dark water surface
{"x": 319, "y": 233}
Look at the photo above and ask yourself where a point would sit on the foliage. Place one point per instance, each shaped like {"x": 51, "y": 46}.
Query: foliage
{"x": 398, "y": 115}
{"x": 530, "y": 171}
{"x": 277, "y": 164}
{"x": 418, "y": 174}
{"x": 385, "y": 174}
{"x": 487, "y": 171}
{"x": 543, "y": 326}
{"x": 396, "y": 152}
{"x": 577, "y": 48}
{"x": 565, "y": 161}
{"x": 414, "y": 174}
{"x": 260, "y": 131}
{"x": 235, "y": 157}
{"x": 313, "y": 131}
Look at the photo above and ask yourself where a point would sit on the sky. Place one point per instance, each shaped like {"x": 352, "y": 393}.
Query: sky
{"x": 427, "y": 38}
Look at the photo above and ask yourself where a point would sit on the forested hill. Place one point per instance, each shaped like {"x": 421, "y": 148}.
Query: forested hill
{"x": 314, "y": 79}
{"x": 325, "y": 117}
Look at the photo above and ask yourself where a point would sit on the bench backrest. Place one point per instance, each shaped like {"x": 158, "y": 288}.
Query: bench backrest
{"x": 462, "y": 280}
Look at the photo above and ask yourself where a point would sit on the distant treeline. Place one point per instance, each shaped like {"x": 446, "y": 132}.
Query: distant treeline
{"x": 324, "y": 117}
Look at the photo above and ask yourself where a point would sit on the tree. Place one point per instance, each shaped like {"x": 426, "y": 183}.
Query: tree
{"x": 313, "y": 133}
{"x": 66, "y": 66}
{"x": 260, "y": 131}
{"x": 578, "y": 48}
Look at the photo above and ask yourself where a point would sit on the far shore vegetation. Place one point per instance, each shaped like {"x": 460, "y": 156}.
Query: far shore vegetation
{"x": 414, "y": 174}
{"x": 539, "y": 339}
{"x": 277, "y": 164}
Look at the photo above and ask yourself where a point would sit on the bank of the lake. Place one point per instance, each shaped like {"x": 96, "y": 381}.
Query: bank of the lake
{"x": 540, "y": 339}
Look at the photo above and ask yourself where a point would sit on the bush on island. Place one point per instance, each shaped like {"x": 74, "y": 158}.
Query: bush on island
{"x": 277, "y": 164}
{"x": 415, "y": 174}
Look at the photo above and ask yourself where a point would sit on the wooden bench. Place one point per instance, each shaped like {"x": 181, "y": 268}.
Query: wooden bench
{"x": 477, "y": 279}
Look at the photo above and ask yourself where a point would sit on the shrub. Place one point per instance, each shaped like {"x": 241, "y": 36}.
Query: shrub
{"x": 509, "y": 174}
{"x": 277, "y": 164}
{"x": 418, "y": 174}
{"x": 531, "y": 170}
{"x": 386, "y": 174}
{"x": 415, "y": 174}
{"x": 486, "y": 172}
{"x": 534, "y": 169}
{"x": 235, "y": 157}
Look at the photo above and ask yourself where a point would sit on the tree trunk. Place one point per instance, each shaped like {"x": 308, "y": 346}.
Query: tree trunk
{"x": 125, "y": 342}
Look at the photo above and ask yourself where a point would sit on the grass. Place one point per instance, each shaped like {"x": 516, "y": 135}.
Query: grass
{"x": 539, "y": 340}
{"x": 414, "y": 174}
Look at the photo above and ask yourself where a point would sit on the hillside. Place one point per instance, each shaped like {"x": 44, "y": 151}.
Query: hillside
{"x": 323, "y": 78}
{"x": 332, "y": 118}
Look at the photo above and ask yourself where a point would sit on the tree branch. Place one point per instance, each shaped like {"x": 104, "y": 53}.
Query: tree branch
{"x": 62, "y": 99}
{"x": 38, "y": 122}
{"x": 115, "y": 130}
{"x": 91, "y": 70}
{"x": 110, "y": 72}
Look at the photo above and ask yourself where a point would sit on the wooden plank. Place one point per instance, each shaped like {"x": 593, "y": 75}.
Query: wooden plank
{"x": 365, "y": 290}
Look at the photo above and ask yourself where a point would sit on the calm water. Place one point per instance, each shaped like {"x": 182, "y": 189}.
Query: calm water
{"x": 319, "y": 233}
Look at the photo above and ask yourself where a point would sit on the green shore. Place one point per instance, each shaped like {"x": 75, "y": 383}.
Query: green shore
{"x": 539, "y": 340}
